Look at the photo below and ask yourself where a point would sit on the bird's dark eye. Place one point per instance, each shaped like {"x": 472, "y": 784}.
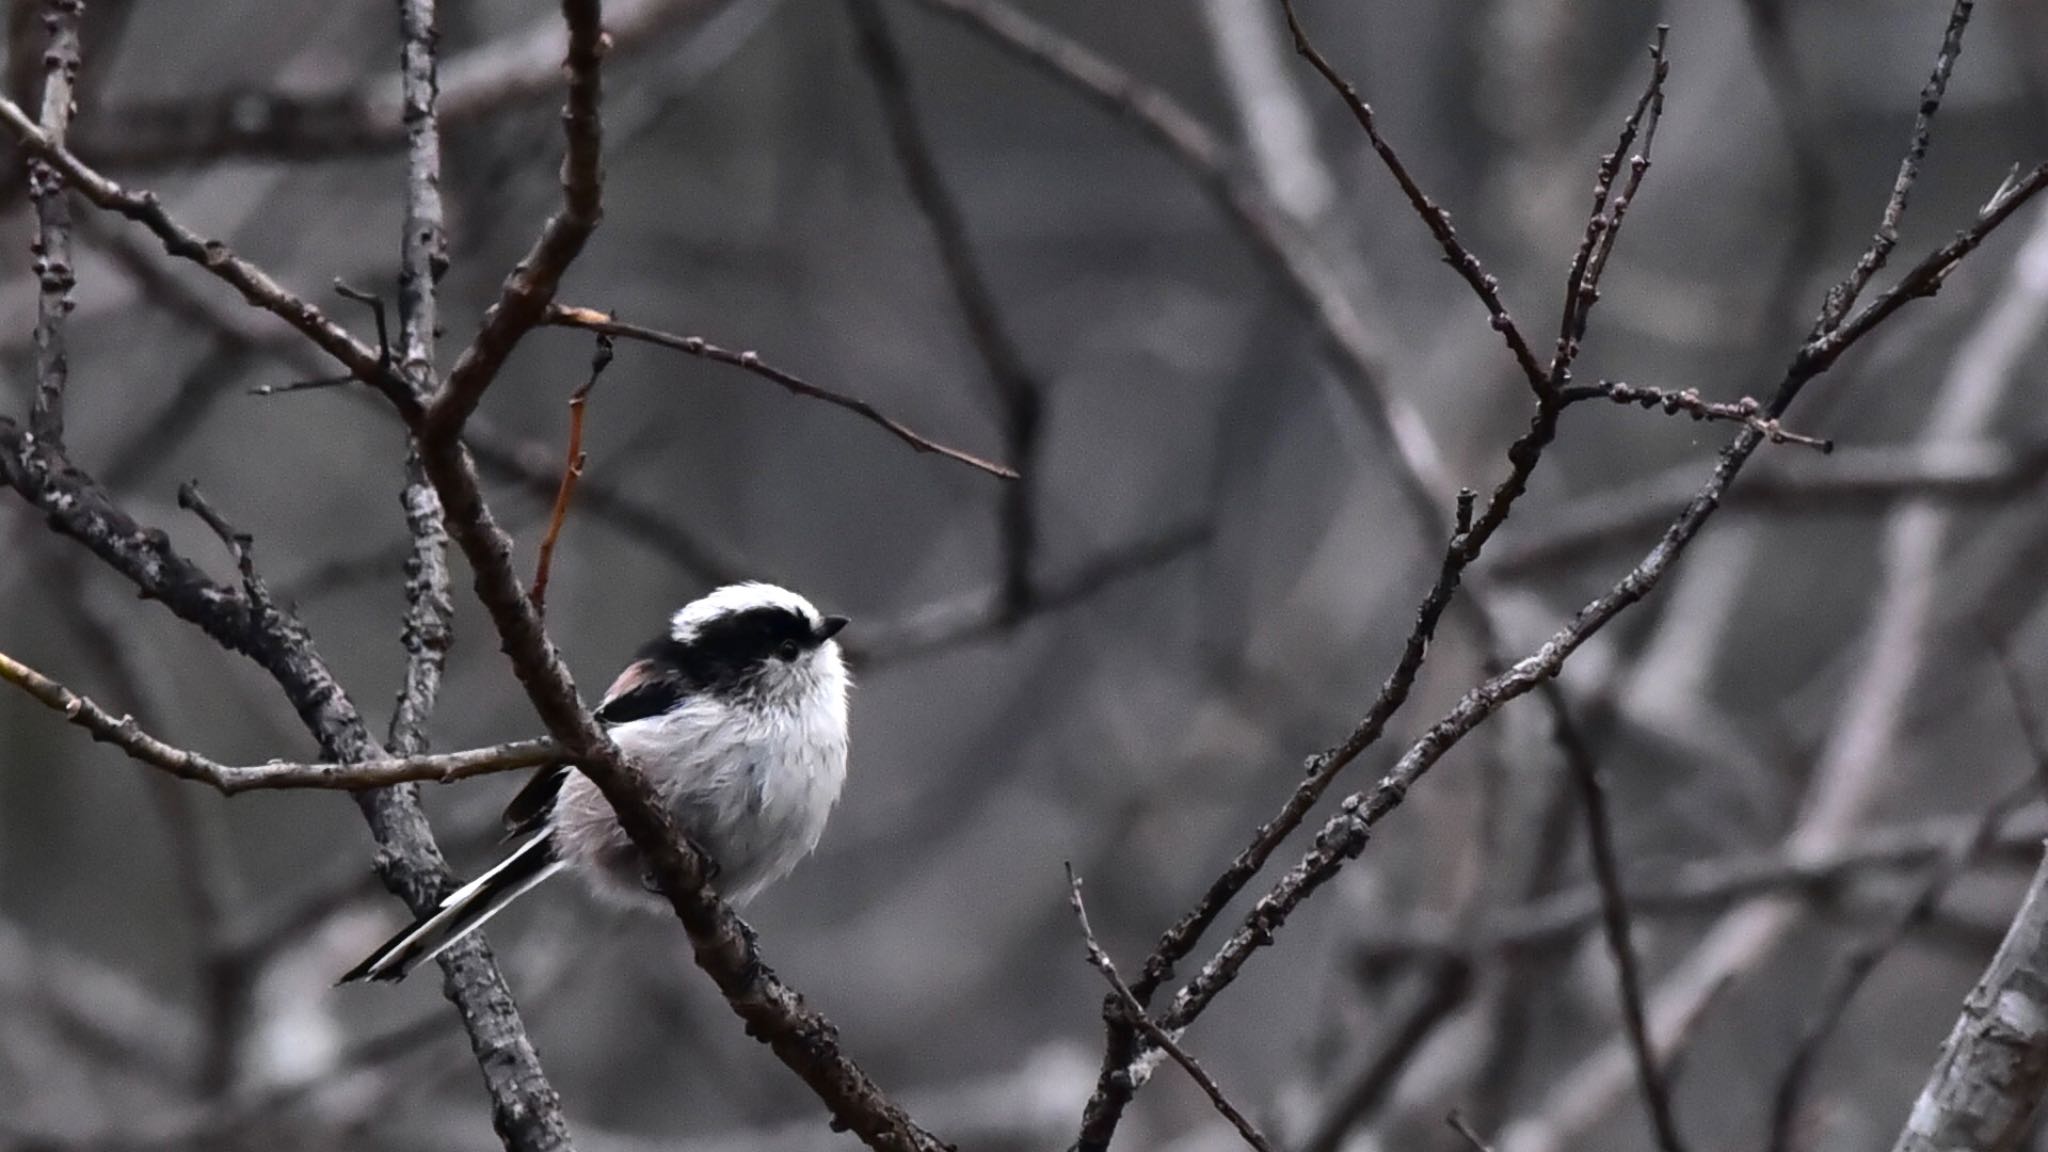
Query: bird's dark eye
{"x": 789, "y": 649}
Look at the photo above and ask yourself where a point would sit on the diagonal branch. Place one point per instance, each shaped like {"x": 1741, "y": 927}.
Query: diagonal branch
{"x": 523, "y": 300}
{"x": 1017, "y": 388}
{"x": 52, "y": 246}
{"x": 1619, "y": 930}
{"x": 1993, "y": 1067}
{"x": 1438, "y": 221}
{"x": 525, "y": 1110}
{"x": 591, "y": 320}
{"x": 1128, "y": 1003}
{"x": 1842, "y": 296}
{"x": 1855, "y": 967}
{"x": 723, "y": 945}
{"x": 255, "y": 285}
{"x": 1344, "y": 836}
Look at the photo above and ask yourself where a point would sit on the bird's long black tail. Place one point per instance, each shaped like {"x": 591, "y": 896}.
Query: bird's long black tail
{"x": 462, "y": 912}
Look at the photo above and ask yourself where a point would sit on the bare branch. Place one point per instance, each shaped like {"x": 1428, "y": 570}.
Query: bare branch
{"x": 1620, "y": 933}
{"x": 1843, "y": 296}
{"x": 1993, "y": 1067}
{"x": 1144, "y": 1023}
{"x": 124, "y": 733}
{"x": 1345, "y": 835}
{"x": 1706, "y": 884}
{"x": 52, "y": 246}
{"x": 1859, "y": 962}
{"x": 724, "y": 947}
{"x": 506, "y": 73}
{"x": 1456, "y": 254}
{"x": 592, "y": 320}
{"x": 572, "y": 471}
{"x": 522, "y": 303}
{"x": 525, "y": 1110}
{"x": 1745, "y": 411}
{"x": 1603, "y": 222}
{"x": 1017, "y": 388}
{"x": 252, "y": 282}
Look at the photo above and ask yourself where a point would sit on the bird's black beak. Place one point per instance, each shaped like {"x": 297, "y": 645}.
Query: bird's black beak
{"x": 828, "y": 628}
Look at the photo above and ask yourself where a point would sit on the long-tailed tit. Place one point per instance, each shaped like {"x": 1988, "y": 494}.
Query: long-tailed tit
{"x": 737, "y": 714}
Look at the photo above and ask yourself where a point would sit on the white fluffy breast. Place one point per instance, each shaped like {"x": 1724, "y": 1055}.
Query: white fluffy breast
{"x": 751, "y": 781}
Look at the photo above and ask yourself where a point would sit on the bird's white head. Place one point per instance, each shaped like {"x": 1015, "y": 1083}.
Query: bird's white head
{"x": 764, "y": 640}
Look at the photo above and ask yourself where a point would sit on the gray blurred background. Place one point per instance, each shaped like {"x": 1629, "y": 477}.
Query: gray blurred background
{"x": 1249, "y": 566}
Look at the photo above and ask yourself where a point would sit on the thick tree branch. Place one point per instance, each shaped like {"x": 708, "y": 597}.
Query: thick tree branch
{"x": 523, "y": 301}
{"x": 525, "y": 1110}
{"x": 52, "y": 246}
{"x": 723, "y": 945}
{"x": 1856, "y": 966}
{"x": 1993, "y": 1067}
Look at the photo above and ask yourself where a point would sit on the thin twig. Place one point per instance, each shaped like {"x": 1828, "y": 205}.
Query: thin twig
{"x": 1843, "y": 296}
{"x": 255, "y": 285}
{"x": 1456, "y": 254}
{"x": 1017, "y": 389}
{"x": 1746, "y": 411}
{"x": 1620, "y": 933}
{"x": 124, "y": 733}
{"x": 1702, "y": 885}
{"x": 1464, "y": 1128}
{"x": 1344, "y": 836}
{"x": 310, "y": 384}
{"x": 1603, "y": 222}
{"x": 524, "y": 299}
{"x": 572, "y": 471}
{"x": 239, "y": 544}
{"x": 1144, "y": 1023}
{"x": 1446, "y": 985}
{"x": 593, "y": 320}
{"x": 2024, "y": 713}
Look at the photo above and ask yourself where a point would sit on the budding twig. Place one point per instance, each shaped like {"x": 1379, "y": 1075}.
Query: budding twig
{"x": 572, "y": 471}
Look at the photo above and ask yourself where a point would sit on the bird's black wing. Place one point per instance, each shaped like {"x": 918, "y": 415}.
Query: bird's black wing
{"x": 648, "y": 687}
{"x": 530, "y": 809}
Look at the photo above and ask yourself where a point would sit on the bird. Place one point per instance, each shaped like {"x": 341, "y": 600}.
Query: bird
{"x": 737, "y": 714}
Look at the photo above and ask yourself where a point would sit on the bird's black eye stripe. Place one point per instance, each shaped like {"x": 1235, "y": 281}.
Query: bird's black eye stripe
{"x": 727, "y": 652}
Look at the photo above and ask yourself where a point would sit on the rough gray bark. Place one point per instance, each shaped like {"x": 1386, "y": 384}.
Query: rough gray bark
{"x": 1994, "y": 1065}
